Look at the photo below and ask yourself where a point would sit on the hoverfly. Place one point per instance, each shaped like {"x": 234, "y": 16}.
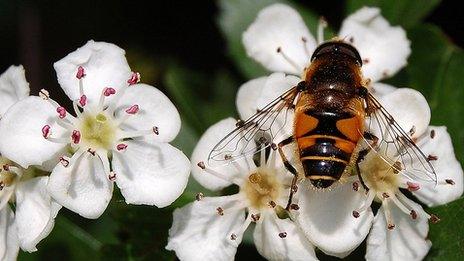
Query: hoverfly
{"x": 333, "y": 114}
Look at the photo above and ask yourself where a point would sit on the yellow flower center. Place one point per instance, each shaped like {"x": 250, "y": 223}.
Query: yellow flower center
{"x": 262, "y": 187}
{"x": 378, "y": 175}
{"x": 98, "y": 131}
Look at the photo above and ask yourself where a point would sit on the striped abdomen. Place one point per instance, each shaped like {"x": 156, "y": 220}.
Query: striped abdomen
{"x": 326, "y": 141}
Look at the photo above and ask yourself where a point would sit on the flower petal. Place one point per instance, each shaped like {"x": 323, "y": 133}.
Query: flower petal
{"x": 248, "y": 95}
{"x": 13, "y": 87}
{"x": 279, "y": 26}
{"x": 199, "y": 233}
{"x": 35, "y": 212}
{"x": 155, "y": 110}
{"x": 326, "y": 218}
{"x": 22, "y": 140}
{"x": 409, "y": 108}
{"x": 276, "y": 85}
{"x": 151, "y": 174}
{"x": 9, "y": 245}
{"x": 384, "y": 48}
{"x": 105, "y": 65}
{"x": 407, "y": 241}
{"x": 82, "y": 186}
{"x": 295, "y": 246}
{"x": 201, "y": 152}
{"x": 446, "y": 167}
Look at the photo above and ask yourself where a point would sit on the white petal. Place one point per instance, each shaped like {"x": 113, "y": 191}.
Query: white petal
{"x": 105, "y": 65}
{"x": 35, "y": 212}
{"x": 281, "y": 26}
{"x": 151, "y": 174}
{"x": 381, "y": 89}
{"x": 21, "y": 132}
{"x": 199, "y": 233}
{"x": 407, "y": 241}
{"x": 295, "y": 246}
{"x": 446, "y": 167}
{"x": 248, "y": 95}
{"x": 201, "y": 152}
{"x": 409, "y": 108}
{"x": 326, "y": 218}
{"x": 9, "y": 245}
{"x": 82, "y": 187}
{"x": 276, "y": 85}
{"x": 13, "y": 87}
{"x": 155, "y": 109}
{"x": 385, "y": 47}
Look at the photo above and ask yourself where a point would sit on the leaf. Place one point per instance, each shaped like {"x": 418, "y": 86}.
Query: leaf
{"x": 235, "y": 17}
{"x": 406, "y": 13}
{"x": 446, "y": 236}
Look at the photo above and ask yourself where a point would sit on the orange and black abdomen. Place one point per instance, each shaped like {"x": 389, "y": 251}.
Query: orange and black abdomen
{"x": 326, "y": 140}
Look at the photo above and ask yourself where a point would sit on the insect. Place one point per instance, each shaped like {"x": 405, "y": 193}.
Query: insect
{"x": 333, "y": 114}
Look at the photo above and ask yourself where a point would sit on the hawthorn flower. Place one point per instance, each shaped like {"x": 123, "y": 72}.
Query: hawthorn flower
{"x": 119, "y": 133}
{"x": 211, "y": 228}
{"x": 35, "y": 211}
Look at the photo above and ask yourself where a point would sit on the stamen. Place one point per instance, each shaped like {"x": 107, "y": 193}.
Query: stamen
{"x": 83, "y": 100}
{"x": 294, "y": 207}
{"x": 46, "y": 131}
{"x": 388, "y": 216}
{"x": 413, "y": 214}
{"x": 108, "y": 91}
{"x": 434, "y": 218}
{"x": 320, "y": 30}
{"x": 304, "y": 40}
{"x": 355, "y": 186}
{"x": 255, "y": 217}
{"x": 132, "y": 109}
{"x": 412, "y": 186}
{"x": 450, "y": 181}
{"x": 242, "y": 229}
{"x": 283, "y": 234}
{"x": 140, "y": 133}
{"x": 121, "y": 147}
{"x": 220, "y": 211}
{"x": 202, "y": 165}
{"x": 431, "y": 157}
{"x": 401, "y": 206}
{"x": 91, "y": 151}
{"x": 44, "y": 94}
{"x": 112, "y": 176}
{"x": 76, "y": 109}
{"x": 135, "y": 78}
{"x": 80, "y": 72}
{"x": 76, "y": 136}
{"x": 64, "y": 162}
{"x": 58, "y": 140}
{"x": 290, "y": 61}
{"x": 367, "y": 204}
{"x": 61, "y": 112}
{"x": 272, "y": 204}
{"x": 233, "y": 237}
{"x": 432, "y": 134}
{"x": 199, "y": 196}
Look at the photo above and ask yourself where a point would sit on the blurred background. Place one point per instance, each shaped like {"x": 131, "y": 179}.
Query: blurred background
{"x": 192, "y": 51}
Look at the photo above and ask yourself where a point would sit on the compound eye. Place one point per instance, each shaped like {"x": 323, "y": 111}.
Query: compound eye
{"x": 337, "y": 47}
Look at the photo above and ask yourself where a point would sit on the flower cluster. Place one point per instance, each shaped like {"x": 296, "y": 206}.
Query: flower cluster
{"x": 119, "y": 132}
{"x": 334, "y": 221}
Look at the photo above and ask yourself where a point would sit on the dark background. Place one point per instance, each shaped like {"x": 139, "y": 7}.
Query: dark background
{"x": 154, "y": 34}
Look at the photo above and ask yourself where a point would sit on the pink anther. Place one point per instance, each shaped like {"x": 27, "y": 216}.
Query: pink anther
{"x": 109, "y": 91}
{"x": 76, "y": 136}
{"x": 46, "y": 131}
{"x": 83, "y": 100}
{"x": 133, "y": 109}
{"x": 135, "y": 78}
{"x": 80, "y": 72}
{"x": 61, "y": 112}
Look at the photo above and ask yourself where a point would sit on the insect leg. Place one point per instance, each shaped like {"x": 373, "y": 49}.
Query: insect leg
{"x": 290, "y": 168}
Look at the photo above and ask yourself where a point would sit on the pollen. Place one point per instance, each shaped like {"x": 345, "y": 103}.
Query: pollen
{"x": 98, "y": 131}
{"x": 379, "y": 176}
{"x": 262, "y": 187}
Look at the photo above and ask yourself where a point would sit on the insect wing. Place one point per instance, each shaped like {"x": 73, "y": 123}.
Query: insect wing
{"x": 394, "y": 145}
{"x": 257, "y": 133}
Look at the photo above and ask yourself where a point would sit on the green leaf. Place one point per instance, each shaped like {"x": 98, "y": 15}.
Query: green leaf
{"x": 237, "y": 15}
{"x": 446, "y": 236}
{"x": 406, "y": 13}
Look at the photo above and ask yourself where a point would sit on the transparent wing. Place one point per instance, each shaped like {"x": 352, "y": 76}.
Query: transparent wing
{"x": 395, "y": 146}
{"x": 257, "y": 133}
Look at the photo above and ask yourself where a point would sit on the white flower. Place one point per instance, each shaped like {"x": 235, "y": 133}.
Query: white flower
{"x": 35, "y": 211}
{"x": 116, "y": 120}
{"x": 281, "y": 42}
{"x": 212, "y": 227}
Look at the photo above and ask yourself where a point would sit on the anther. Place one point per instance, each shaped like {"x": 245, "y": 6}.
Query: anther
{"x": 413, "y": 214}
{"x": 46, "y": 131}
{"x": 76, "y": 136}
{"x": 272, "y": 204}
{"x": 80, "y": 72}
{"x": 135, "y": 78}
{"x": 273, "y": 146}
{"x": 412, "y": 186}
{"x": 44, "y": 94}
{"x": 355, "y": 214}
{"x": 351, "y": 39}
{"x": 83, "y": 100}
{"x": 355, "y": 186}
{"x": 132, "y": 109}
{"x": 109, "y": 91}
{"x": 64, "y": 162}
{"x": 385, "y": 195}
{"x": 294, "y": 188}
{"x": 233, "y": 236}
{"x": 432, "y": 134}
{"x": 61, "y": 112}
{"x": 412, "y": 130}
{"x": 220, "y": 211}
{"x": 366, "y": 60}
{"x": 385, "y": 73}
{"x": 155, "y": 130}
{"x": 391, "y": 226}
{"x": 227, "y": 157}
{"x": 283, "y": 234}
{"x": 255, "y": 217}
{"x": 201, "y": 164}
{"x": 450, "y": 181}
{"x": 294, "y": 207}
{"x": 112, "y": 176}
{"x": 6, "y": 167}
{"x": 199, "y": 196}
{"x": 431, "y": 157}
{"x": 91, "y": 151}
{"x": 434, "y": 219}
{"x": 2, "y": 185}
{"x": 121, "y": 147}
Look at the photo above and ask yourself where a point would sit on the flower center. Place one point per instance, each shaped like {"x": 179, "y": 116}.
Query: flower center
{"x": 98, "y": 131}
{"x": 261, "y": 188}
{"x": 7, "y": 173}
{"x": 379, "y": 176}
